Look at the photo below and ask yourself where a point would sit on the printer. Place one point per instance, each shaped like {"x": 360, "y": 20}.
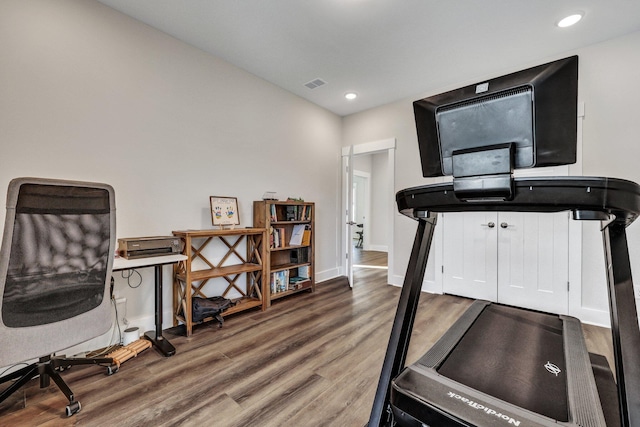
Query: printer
{"x": 141, "y": 247}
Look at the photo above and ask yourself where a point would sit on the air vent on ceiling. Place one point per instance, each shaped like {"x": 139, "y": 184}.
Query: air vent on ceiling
{"x": 315, "y": 83}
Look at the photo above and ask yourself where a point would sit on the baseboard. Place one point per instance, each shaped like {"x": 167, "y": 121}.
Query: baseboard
{"x": 591, "y": 316}
{"x": 396, "y": 280}
{"x": 332, "y": 273}
{"x": 378, "y": 248}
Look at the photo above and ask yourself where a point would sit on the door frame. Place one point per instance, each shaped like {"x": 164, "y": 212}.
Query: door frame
{"x": 380, "y": 146}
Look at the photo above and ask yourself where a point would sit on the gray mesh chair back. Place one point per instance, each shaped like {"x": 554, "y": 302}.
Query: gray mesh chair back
{"x": 55, "y": 266}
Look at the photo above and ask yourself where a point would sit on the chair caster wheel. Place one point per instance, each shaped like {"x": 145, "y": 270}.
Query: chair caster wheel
{"x": 112, "y": 369}
{"x": 73, "y": 408}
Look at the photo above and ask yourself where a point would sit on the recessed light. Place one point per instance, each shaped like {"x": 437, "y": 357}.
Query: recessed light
{"x": 570, "y": 20}
{"x": 351, "y": 96}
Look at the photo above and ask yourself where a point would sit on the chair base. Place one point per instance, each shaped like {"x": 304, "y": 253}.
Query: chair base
{"x": 49, "y": 367}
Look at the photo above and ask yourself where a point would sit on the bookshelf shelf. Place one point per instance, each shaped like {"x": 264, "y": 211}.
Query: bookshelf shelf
{"x": 290, "y": 246}
{"x": 287, "y": 266}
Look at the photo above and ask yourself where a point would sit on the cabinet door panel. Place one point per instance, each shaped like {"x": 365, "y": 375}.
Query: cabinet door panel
{"x": 533, "y": 260}
{"x": 469, "y": 258}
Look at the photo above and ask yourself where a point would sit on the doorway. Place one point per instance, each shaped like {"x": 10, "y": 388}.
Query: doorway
{"x": 368, "y": 201}
{"x": 369, "y": 252}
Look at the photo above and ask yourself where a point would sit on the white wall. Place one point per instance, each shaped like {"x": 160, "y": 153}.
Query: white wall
{"x": 380, "y": 182}
{"x": 87, "y": 93}
{"x": 610, "y": 89}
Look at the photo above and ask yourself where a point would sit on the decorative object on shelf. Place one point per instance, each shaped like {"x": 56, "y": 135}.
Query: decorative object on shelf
{"x": 224, "y": 211}
{"x": 295, "y": 199}
{"x": 269, "y": 195}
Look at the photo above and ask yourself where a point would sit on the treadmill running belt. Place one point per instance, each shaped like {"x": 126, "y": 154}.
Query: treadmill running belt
{"x": 514, "y": 355}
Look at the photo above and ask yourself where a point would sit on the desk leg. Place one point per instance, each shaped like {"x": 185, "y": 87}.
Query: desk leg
{"x": 156, "y": 338}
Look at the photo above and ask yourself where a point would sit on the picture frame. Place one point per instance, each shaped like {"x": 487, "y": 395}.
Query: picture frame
{"x": 224, "y": 211}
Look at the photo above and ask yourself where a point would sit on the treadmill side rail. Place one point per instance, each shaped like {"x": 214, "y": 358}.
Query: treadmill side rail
{"x": 582, "y": 392}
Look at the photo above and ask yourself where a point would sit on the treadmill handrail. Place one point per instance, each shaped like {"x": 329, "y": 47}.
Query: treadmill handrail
{"x": 615, "y": 197}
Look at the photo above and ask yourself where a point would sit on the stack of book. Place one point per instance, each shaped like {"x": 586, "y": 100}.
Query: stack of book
{"x": 277, "y": 238}
{"x": 298, "y": 213}
{"x": 279, "y": 281}
{"x": 282, "y": 281}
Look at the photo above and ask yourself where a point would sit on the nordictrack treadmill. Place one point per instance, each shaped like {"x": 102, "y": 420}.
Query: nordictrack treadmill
{"x": 500, "y": 365}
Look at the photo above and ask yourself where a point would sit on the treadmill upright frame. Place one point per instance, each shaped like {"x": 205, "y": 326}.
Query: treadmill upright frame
{"x": 615, "y": 202}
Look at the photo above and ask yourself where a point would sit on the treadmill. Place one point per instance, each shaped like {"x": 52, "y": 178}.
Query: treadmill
{"x": 500, "y": 365}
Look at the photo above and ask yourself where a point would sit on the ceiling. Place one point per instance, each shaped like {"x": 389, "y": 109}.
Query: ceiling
{"x": 384, "y": 50}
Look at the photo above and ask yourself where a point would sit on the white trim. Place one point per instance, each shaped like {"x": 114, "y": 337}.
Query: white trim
{"x": 379, "y": 248}
{"x": 576, "y": 230}
{"x": 374, "y": 146}
{"x": 321, "y": 276}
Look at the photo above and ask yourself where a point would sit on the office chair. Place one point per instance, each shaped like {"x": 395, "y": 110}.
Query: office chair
{"x": 55, "y": 272}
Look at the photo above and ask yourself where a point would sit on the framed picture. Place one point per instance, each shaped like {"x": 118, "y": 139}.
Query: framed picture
{"x": 224, "y": 211}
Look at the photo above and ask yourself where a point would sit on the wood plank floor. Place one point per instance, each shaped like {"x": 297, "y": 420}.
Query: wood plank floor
{"x": 311, "y": 360}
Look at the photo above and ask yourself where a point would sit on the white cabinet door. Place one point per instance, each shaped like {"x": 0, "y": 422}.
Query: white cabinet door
{"x": 470, "y": 255}
{"x": 514, "y": 258}
{"x": 533, "y": 260}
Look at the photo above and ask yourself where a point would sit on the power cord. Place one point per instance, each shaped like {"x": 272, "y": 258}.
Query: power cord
{"x": 11, "y": 367}
{"x": 128, "y": 274}
{"x": 115, "y": 307}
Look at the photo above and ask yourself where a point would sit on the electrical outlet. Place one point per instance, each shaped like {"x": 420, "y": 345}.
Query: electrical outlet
{"x": 121, "y": 311}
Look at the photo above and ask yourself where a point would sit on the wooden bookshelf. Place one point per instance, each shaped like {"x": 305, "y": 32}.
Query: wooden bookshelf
{"x": 290, "y": 246}
{"x": 192, "y": 275}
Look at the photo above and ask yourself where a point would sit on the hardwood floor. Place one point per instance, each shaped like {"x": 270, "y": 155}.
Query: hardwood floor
{"x": 369, "y": 258}
{"x": 311, "y": 360}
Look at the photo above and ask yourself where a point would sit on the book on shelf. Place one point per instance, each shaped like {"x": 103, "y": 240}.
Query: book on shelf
{"x": 291, "y": 213}
{"x": 299, "y": 255}
{"x": 306, "y": 236}
{"x": 296, "y": 235}
{"x": 303, "y": 213}
{"x": 279, "y": 281}
{"x": 303, "y": 272}
{"x": 277, "y": 237}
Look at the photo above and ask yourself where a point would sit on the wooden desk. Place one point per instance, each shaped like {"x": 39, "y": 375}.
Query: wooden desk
{"x": 156, "y": 338}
